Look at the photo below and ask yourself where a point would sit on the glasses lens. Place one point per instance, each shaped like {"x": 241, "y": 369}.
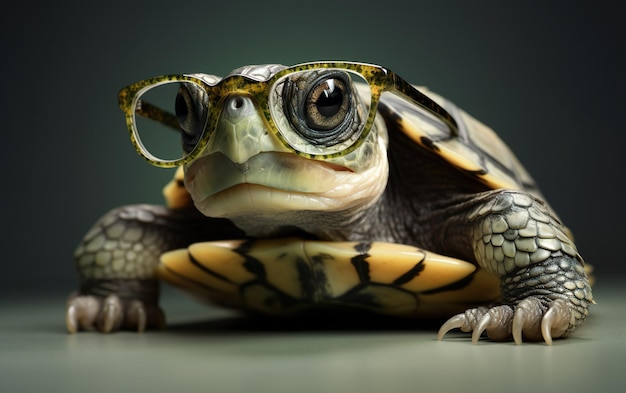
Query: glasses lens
{"x": 170, "y": 119}
{"x": 322, "y": 111}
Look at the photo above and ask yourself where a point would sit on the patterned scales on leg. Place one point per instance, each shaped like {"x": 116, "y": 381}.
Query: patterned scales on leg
{"x": 545, "y": 291}
{"x": 284, "y": 276}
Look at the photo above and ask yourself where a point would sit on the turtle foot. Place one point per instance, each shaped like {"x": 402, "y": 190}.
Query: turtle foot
{"x": 529, "y": 319}
{"x": 111, "y": 313}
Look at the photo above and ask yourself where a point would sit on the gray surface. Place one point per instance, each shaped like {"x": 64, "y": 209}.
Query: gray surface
{"x": 214, "y": 350}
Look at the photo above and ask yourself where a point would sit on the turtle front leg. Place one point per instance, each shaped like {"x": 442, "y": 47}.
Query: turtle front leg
{"x": 117, "y": 261}
{"x": 545, "y": 291}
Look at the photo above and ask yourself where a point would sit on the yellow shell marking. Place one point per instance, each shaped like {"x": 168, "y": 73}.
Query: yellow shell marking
{"x": 280, "y": 276}
{"x": 175, "y": 193}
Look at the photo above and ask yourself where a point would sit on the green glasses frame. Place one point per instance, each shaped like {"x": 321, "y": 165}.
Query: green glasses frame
{"x": 380, "y": 80}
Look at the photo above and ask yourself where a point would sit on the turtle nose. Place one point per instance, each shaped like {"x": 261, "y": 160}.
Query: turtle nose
{"x": 237, "y": 102}
{"x": 241, "y": 131}
{"x": 237, "y": 107}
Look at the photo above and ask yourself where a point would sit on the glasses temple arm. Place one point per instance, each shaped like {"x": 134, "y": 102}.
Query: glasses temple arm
{"x": 152, "y": 112}
{"x": 425, "y": 102}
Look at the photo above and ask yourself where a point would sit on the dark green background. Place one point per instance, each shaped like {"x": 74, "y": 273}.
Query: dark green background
{"x": 547, "y": 76}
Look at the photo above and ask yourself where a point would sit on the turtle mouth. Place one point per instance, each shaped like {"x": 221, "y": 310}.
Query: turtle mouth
{"x": 250, "y": 199}
{"x": 267, "y": 181}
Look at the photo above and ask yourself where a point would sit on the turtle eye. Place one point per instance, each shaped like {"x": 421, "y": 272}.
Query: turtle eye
{"x": 321, "y": 106}
{"x": 191, "y": 111}
{"x": 327, "y": 105}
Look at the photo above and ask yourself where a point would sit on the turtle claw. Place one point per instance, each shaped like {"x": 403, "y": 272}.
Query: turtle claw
{"x": 137, "y": 313}
{"x": 530, "y": 320}
{"x": 110, "y": 314}
{"x": 555, "y": 321}
{"x": 456, "y": 322}
{"x": 527, "y": 318}
{"x": 484, "y": 322}
{"x": 81, "y": 312}
{"x": 465, "y": 321}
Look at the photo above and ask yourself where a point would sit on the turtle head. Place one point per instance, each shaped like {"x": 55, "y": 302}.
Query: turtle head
{"x": 297, "y": 155}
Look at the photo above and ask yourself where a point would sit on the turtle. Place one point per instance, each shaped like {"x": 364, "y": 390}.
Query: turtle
{"x": 329, "y": 186}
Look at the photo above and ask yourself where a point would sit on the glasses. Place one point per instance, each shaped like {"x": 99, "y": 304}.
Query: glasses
{"x": 319, "y": 110}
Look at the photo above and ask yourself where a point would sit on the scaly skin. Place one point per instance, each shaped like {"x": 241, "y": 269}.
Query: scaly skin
{"x": 545, "y": 291}
{"x": 117, "y": 260}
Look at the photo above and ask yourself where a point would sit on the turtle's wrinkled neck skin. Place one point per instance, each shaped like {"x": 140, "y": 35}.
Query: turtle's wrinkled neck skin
{"x": 421, "y": 193}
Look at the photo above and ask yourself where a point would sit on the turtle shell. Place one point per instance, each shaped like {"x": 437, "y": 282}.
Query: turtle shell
{"x": 475, "y": 148}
